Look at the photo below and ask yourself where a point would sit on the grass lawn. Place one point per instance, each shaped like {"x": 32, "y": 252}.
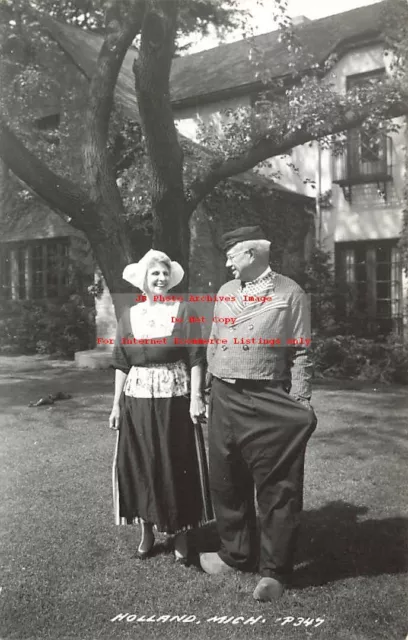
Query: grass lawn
{"x": 68, "y": 571}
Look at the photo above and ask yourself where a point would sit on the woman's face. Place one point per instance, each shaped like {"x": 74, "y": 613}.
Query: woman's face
{"x": 157, "y": 279}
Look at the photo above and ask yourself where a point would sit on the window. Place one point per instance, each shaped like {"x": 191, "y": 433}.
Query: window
{"x": 371, "y": 149}
{"x": 367, "y": 149}
{"x": 34, "y": 270}
{"x": 368, "y": 155}
{"x": 372, "y": 271}
{"x": 5, "y": 275}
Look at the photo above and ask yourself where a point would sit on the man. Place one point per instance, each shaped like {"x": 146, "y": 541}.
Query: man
{"x": 260, "y": 417}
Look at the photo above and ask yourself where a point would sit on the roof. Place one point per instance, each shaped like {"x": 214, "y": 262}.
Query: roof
{"x": 227, "y": 69}
{"x": 253, "y": 179}
{"x": 41, "y": 223}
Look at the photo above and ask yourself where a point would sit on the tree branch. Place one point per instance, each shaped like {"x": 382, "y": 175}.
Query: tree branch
{"x": 123, "y": 22}
{"x": 275, "y": 143}
{"x": 152, "y": 82}
{"x": 60, "y": 193}
{"x": 152, "y": 72}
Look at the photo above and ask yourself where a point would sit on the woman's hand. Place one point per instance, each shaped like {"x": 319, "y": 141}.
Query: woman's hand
{"x": 114, "y": 418}
{"x": 197, "y": 408}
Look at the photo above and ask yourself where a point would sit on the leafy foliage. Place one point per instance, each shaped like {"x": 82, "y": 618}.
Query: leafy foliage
{"x": 37, "y": 80}
{"x": 307, "y": 106}
{"x": 57, "y": 328}
{"x": 362, "y": 359}
{"x": 195, "y": 16}
{"x": 35, "y": 72}
{"x": 320, "y": 285}
{"x": 199, "y": 16}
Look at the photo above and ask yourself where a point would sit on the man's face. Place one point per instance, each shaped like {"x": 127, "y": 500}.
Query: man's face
{"x": 239, "y": 260}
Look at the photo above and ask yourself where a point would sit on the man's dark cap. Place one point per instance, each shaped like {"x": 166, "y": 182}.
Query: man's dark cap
{"x": 240, "y": 235}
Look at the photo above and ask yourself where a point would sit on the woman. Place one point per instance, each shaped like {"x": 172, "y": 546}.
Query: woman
{"x": 159, "y": 472}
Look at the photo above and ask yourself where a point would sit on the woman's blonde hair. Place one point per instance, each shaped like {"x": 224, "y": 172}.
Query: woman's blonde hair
{"x": 159, "y": 258}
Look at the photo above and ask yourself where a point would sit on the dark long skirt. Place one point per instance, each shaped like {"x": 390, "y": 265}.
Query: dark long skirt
{"x": 160, "y": 470}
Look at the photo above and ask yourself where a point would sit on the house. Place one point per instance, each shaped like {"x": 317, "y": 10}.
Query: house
{"x": 37, "y": 254}
{"x": 358, "y": 195}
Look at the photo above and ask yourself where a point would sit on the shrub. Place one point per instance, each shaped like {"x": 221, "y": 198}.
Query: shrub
{"x": 363, "y": 359}
{"x": 47, "y": 327}
{"x": 320, "y": 285}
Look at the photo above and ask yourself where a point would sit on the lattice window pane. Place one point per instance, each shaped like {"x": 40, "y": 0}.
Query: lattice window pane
{"x": 371, "y": 151}
{"x": 5, "y": 274}
{"x": 350, "y": 266}
{"x": 384, "y": 290}
{"x": 396, "y": 288}
{"x": 38, "y": 271}
{"x": 64, "y": 264}
{"x": 377, "y": 272}
{"x": 21, "y": 266}
{"x": 52, "y": 268}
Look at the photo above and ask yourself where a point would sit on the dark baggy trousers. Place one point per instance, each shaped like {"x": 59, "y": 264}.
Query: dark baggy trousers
{"x": 257, "y": 435}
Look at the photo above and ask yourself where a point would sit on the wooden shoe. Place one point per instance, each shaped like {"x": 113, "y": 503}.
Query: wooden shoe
{"x": 181, "y": 548}
{"x": 142, "y": 553}
{"x": 211, "y": 563}
{"x": 268, "y": 590}
{"x": 183, "y": 561}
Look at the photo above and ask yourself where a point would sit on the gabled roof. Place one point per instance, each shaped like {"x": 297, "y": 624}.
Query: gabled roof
{"x": 227, "y": 69}
{"x": 39, "y": 223}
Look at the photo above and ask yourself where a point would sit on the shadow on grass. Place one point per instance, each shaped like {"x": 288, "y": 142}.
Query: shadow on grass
{"x": 335, "y": 545}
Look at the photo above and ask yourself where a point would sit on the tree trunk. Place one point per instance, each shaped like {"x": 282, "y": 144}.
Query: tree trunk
{"x": 111, "y": 225}
{"x": 152, "y": 71}
{"x": 111, "y": 258}
{"x": 122, "y": 24}
{"x": 172, "y": 231}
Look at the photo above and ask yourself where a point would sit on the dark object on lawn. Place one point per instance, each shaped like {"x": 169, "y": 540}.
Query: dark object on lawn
{"x": 50, "y": 399}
